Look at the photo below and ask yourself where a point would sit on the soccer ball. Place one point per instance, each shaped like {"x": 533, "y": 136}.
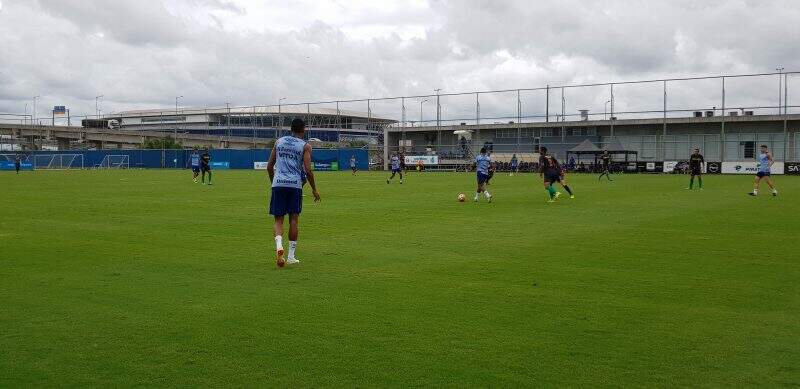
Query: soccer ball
{"x": 462, "y": 198}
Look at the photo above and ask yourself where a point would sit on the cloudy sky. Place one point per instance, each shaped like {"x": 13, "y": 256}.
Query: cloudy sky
{"x": 143, "y": 53}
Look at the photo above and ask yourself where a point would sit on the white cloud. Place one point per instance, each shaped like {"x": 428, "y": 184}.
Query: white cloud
{"x": 143, "y": 53}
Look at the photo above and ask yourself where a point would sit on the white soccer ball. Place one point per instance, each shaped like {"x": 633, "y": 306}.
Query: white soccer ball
{"x": 462, "y": 197}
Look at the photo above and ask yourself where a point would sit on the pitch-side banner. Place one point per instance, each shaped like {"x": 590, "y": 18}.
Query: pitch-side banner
{"x": 260, "y": 165}
{"x": 426, "y": 159}
{"x": 749, "y": 167}
{"x": 792, "y": 168}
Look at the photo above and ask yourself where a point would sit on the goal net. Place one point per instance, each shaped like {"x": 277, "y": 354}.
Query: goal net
{"x": 58, "y": 161}
{"x": 114, "y": 162}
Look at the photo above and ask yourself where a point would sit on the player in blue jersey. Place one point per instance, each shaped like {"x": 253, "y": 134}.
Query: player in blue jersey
{"x": 397, "y": 167}
{"x": 765, "y": 163}
{"x": 353, "y": 164}
{"x": 514, "y": 165}
{"x": 483, "y": 165}
{"x": 290, "y": 158}
{"x": 194, "y": 161}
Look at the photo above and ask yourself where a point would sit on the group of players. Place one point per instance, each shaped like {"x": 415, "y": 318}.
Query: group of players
{"x": 289, "y": 169}
{"x": 200, "y": 163}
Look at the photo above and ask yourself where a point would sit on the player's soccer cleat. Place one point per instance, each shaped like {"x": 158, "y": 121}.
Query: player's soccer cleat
{"x": 572, "y": 196}
{"x": 279, "y": 258}
{"x": 752, "y": 194}
{"x": 551, "y": 201}
{"x": 490, "y": 198}
{"x": 387, "y": 180}
{"x": 292, "y": 261}
{"x": 558, "y": 194}
{"x": 195, "y": 180}
{"x": 775, "y": 193}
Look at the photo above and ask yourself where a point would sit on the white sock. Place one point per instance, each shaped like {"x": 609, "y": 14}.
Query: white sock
{"x": 487, "y": 194}
{"x": 476, "y": 195}
{"x": 292, "y": 248}
{"x": 774, "y": 190}
{"x": 278, "y": 242}
{"x": 755, "y": 191}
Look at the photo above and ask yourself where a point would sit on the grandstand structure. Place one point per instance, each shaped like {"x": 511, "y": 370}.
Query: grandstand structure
{"x": 324, "y": 123}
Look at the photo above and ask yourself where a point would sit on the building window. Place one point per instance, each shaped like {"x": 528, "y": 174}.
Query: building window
{"x": 547, "y": 132}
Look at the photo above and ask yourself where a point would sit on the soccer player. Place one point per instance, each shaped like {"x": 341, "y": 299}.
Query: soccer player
{"x": 396, "y": 168}
{"x": 194, "y": 159}
{"x": 353, "y": 164}
{"x": 551, "y": 172}
{"x": 290, "y": 157}
{"x": 696, "y": 163}
{"x": 17, "y": 162}
{"x": 483, "y": 164}
{"x": 765, "y": 162}
{"x": 514, "y": 165}
{"x": 605, "y": 159}
{"x": 205, "y": 167}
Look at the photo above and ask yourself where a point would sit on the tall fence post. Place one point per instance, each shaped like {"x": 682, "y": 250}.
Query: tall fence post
{"x": 664, "y": 129}
{"x": 612, "y": 111}
{"x": 722, "y": 127}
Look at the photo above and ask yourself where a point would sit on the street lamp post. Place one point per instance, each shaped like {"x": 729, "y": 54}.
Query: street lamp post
{"x": 780, "y": 86}
{"x": 97, "y": 106}
{"x": 420, "y": 111}
{"x": 280, "y": 119}
{"x": 605, "y": 109}
{"x": 175, "y": 129}
{"x": 35, "y": 98}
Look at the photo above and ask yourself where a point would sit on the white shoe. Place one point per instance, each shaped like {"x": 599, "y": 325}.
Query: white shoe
{"x": 292, "y": 261}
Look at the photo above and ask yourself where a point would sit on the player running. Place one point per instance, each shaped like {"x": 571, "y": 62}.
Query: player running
{"x": 396, "y": 168}
{"x": 605, "y": 159}
{"x": 205, "y": 167}
{"x": 514, "y": 165}
{"x": 290, "y": 158}
{"x": 194, "y": 160}
{"x": 551, "y": 172}
{"x": 483, "y": 165}
{"x": 696, "y": 163}
{"x": 353, "y": 164}
{"x": 765, "y": 163}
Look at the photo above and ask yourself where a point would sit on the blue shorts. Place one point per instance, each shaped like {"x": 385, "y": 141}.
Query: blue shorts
{"x": 394, "y": 171}
{"x": 196, "y": 169}
{"x": 285, "y": 200}
{"x": 482, "y": 178}
{"x": 762, "y": 174}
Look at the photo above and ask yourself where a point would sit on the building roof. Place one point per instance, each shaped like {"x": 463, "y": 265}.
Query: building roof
{"x": 288, "y": 109}
{"x": 585, "y": 147}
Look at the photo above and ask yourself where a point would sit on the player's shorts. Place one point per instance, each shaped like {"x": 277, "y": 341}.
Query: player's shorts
{"x": 696, "y": 171}
{"x": 482, "y": 178}
{"x": 196, "y": 169}
{"x": 395, "y": 171}
{"x": 285, "y": 201}
{"x": 552, "y": 177}
{"x": 205, "y": 168}
{"x": 762, "y": 174}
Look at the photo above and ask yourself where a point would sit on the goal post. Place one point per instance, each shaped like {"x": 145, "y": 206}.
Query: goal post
{"x": 120, "y": 161}
{"x": 58, "y": 161}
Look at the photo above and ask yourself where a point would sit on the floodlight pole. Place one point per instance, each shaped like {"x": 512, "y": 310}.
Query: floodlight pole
{"x": 175, "y": 129}
{"x": 779, "y": 69}
{"x": 280, "y": 119}
{"x": 97, "y": 106}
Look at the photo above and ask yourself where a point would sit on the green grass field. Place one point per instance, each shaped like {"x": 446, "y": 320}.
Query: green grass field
{"x": 143, "y": 278}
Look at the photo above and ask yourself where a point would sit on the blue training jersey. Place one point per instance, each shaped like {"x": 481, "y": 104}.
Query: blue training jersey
{"x": 514, "y": 162}
{"x": 763, "y": 163}
{"x": 352, "y": 162}
{"x": 482, "y": 163}
{"x": 395, "y": 162}
{"x": 195, "y": 160}
{"x": 289, "y": 162}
